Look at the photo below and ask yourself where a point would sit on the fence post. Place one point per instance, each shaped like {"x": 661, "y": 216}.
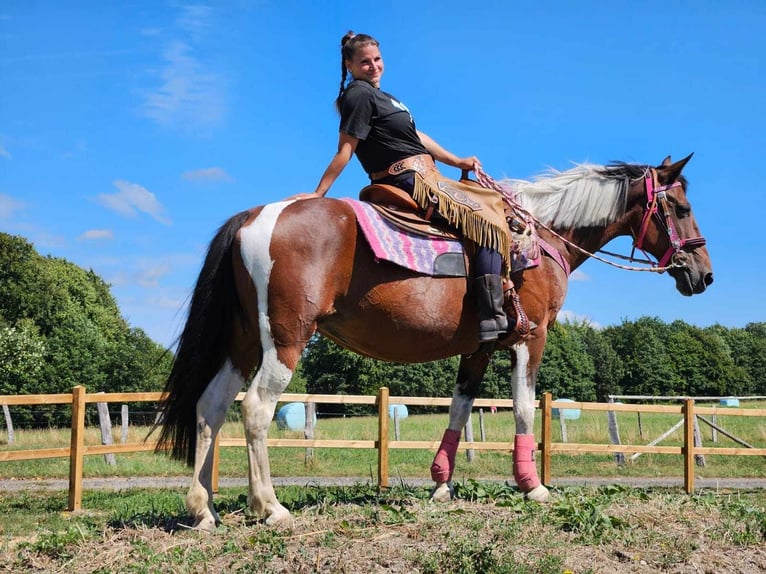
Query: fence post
{"x": 124, "y": 424}
{"x": 614, "y": 433}
{"x": 76, "y": 448}
{"x": 482, "y": 434}
{"x": 469, "y": 453}
{"x": 8, "y": 423}
{"x": 383, "y": 437}
{"x": 309, "y": 410}
{"x": 563, "y": 425}
{"x": 545, "y": 463}
{"x": 105, "y": 423}
{"x": 689, "y": 445}
{"x": 699, "y": 459}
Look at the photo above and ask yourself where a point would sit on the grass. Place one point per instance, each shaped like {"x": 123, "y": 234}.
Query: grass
{"x": 362, "y": 463}
{"x": 490, "y": 529}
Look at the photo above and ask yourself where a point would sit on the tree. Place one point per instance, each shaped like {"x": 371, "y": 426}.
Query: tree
{"x": 566, "y": 369}
{"x": 608, "y": 369}
{"x": 66, "y": 329}
{"x": 648, "y": 367}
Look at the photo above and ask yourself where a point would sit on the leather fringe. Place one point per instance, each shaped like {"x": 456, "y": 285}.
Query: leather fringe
{"x": 473, "y": 224}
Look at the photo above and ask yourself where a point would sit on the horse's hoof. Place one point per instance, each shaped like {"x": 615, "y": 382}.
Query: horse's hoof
{"x": 443, "y": 492}
{"x": 279, "y": 517}
{"x": 538, "y": 494}
{"x": 206, "y": 524}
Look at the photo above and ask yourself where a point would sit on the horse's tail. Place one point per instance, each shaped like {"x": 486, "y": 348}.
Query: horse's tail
{"x": 203, "y": 346}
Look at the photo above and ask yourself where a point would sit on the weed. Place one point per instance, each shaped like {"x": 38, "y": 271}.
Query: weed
{"x": 585, "y": 516}
{"x": 57, "y": 545}
{"x": 473, "y": 557}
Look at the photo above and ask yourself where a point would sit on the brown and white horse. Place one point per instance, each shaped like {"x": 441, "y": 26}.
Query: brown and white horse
{"x": 276, "y": 274}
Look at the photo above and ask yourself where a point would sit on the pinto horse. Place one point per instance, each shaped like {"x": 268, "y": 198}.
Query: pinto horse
{"x": 276, "y": 274}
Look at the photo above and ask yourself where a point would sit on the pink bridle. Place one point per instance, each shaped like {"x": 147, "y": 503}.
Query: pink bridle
{"x": 656, "y": 199}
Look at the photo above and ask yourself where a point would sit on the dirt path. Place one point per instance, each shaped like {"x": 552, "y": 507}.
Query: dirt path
{"x": 122, "y": 483}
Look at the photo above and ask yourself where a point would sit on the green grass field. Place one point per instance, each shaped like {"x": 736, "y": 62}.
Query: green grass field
{"x": 362, "y": 463}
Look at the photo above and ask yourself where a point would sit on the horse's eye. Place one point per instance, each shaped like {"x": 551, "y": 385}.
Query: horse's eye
{"x": 683, "y": 211}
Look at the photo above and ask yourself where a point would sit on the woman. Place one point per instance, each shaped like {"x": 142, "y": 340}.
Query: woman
{"x": 380, "y": 130}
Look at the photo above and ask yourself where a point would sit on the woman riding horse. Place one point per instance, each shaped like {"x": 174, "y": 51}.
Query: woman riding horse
{"x": 381, "y": 131}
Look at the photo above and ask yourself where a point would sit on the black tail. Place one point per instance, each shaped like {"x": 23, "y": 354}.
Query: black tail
{"x": 203, "y": 345}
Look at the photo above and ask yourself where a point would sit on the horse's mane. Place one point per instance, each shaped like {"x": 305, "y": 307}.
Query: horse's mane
{"x": 587, "y": 195}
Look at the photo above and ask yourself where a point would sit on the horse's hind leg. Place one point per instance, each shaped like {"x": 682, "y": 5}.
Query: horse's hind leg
{"x": 211, "y": 414}
{"x": 470, "y": 374}
{"x": 258, "y": 410}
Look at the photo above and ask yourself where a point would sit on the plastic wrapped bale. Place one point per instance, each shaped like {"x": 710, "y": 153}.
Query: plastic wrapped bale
{"x": 566, "y": 414}
{"x": 398, "y": 410}
{"x": 729, "y": 402}
{"x": 292, "y": 416}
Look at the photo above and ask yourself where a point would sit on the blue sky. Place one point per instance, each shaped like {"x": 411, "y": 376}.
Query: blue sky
{"x": 129, "y": 131}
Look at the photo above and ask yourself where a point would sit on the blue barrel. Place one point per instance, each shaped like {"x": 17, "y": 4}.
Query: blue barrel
{"x": 400, "y": 410}
{"x": 566, "y": 414}
{"x": 292, "y": 416}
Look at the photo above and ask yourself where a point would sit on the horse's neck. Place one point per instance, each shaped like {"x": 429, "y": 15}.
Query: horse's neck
{"x": 590, "y": 240}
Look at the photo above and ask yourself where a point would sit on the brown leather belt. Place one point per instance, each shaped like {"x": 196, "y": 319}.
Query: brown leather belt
{"x": 422, "y": 164}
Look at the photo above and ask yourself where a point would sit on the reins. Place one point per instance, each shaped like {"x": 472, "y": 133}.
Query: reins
{"x": 655, "y": 195}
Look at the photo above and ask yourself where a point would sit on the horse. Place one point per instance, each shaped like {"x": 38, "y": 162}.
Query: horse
{"x": 276, "y": 274}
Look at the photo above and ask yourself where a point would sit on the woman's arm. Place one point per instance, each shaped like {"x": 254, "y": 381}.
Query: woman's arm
{"x": 444, "y": 156}
{"x": 346, "y": 148}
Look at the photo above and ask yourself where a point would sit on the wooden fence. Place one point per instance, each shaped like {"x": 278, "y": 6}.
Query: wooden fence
{"x": 77, "y": 450}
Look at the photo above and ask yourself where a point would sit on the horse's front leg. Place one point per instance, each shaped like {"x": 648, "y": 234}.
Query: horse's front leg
{"x": 523, "y": 380}
{"x": 470, "y": 374}
{"x": 211, "y": 414}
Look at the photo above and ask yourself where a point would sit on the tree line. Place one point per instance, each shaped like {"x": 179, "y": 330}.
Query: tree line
{"x": 60, "y": 327}
{"x": 642, "y": 357}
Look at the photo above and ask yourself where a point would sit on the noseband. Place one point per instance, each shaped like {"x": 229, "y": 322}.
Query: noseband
{"x": 657, "y": 207}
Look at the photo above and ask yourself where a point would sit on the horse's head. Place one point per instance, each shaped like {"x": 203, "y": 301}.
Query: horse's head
{"x": 664, "y": 226}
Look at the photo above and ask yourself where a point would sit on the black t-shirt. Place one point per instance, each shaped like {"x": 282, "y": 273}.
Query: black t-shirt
{"x": 383, "y": 125}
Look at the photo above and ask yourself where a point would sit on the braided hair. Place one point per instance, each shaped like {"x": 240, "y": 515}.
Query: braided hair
{"x": 348, "y": 46}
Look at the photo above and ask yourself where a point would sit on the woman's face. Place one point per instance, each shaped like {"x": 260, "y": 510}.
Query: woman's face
{"x": 367, "y": 65}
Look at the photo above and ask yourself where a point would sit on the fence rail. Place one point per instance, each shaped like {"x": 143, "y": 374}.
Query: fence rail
{"x": 79, "y": 398}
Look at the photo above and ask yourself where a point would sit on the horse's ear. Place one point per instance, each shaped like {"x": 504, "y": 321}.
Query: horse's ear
{"x": 669, "y": 172}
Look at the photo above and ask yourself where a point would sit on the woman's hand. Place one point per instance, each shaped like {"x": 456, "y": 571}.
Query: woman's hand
{"x": 300, "y": 196}
{"x": 468, "y": 163}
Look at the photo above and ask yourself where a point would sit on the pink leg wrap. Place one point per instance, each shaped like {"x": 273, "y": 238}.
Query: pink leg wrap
{"x": 524, "y": 469}
{"x": 444, "y": 461}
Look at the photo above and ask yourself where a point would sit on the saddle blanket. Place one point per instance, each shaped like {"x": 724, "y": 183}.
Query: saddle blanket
{"x": 391, "y": 244}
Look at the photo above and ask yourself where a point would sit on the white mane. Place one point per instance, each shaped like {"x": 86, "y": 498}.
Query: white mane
{"x": 580, "y": 197}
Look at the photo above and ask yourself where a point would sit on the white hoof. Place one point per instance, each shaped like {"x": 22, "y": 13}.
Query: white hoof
{"x": 279, "y": 516}
{"x": 443, "y": 492}
{"x": 206, "y": 524}
{"x": 538, "y": 494}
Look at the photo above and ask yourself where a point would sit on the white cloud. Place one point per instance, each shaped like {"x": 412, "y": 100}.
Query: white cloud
{"x": 8, "y": 206}
{"x": 132, "y": 198}
{"x": 4, "y": 152}
{"x": 566, "y": 316}
{"x": 578, "y": 275}
{"x": 189, "y": 96}
{"x": 96, "y": 234}
{"x": 207, "y": 174}
{"x": 150, "y": 276}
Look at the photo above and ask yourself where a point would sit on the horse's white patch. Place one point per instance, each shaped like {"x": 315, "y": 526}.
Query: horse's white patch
{"x": 255, "y": 250}
{"x": 523, "y": 392}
